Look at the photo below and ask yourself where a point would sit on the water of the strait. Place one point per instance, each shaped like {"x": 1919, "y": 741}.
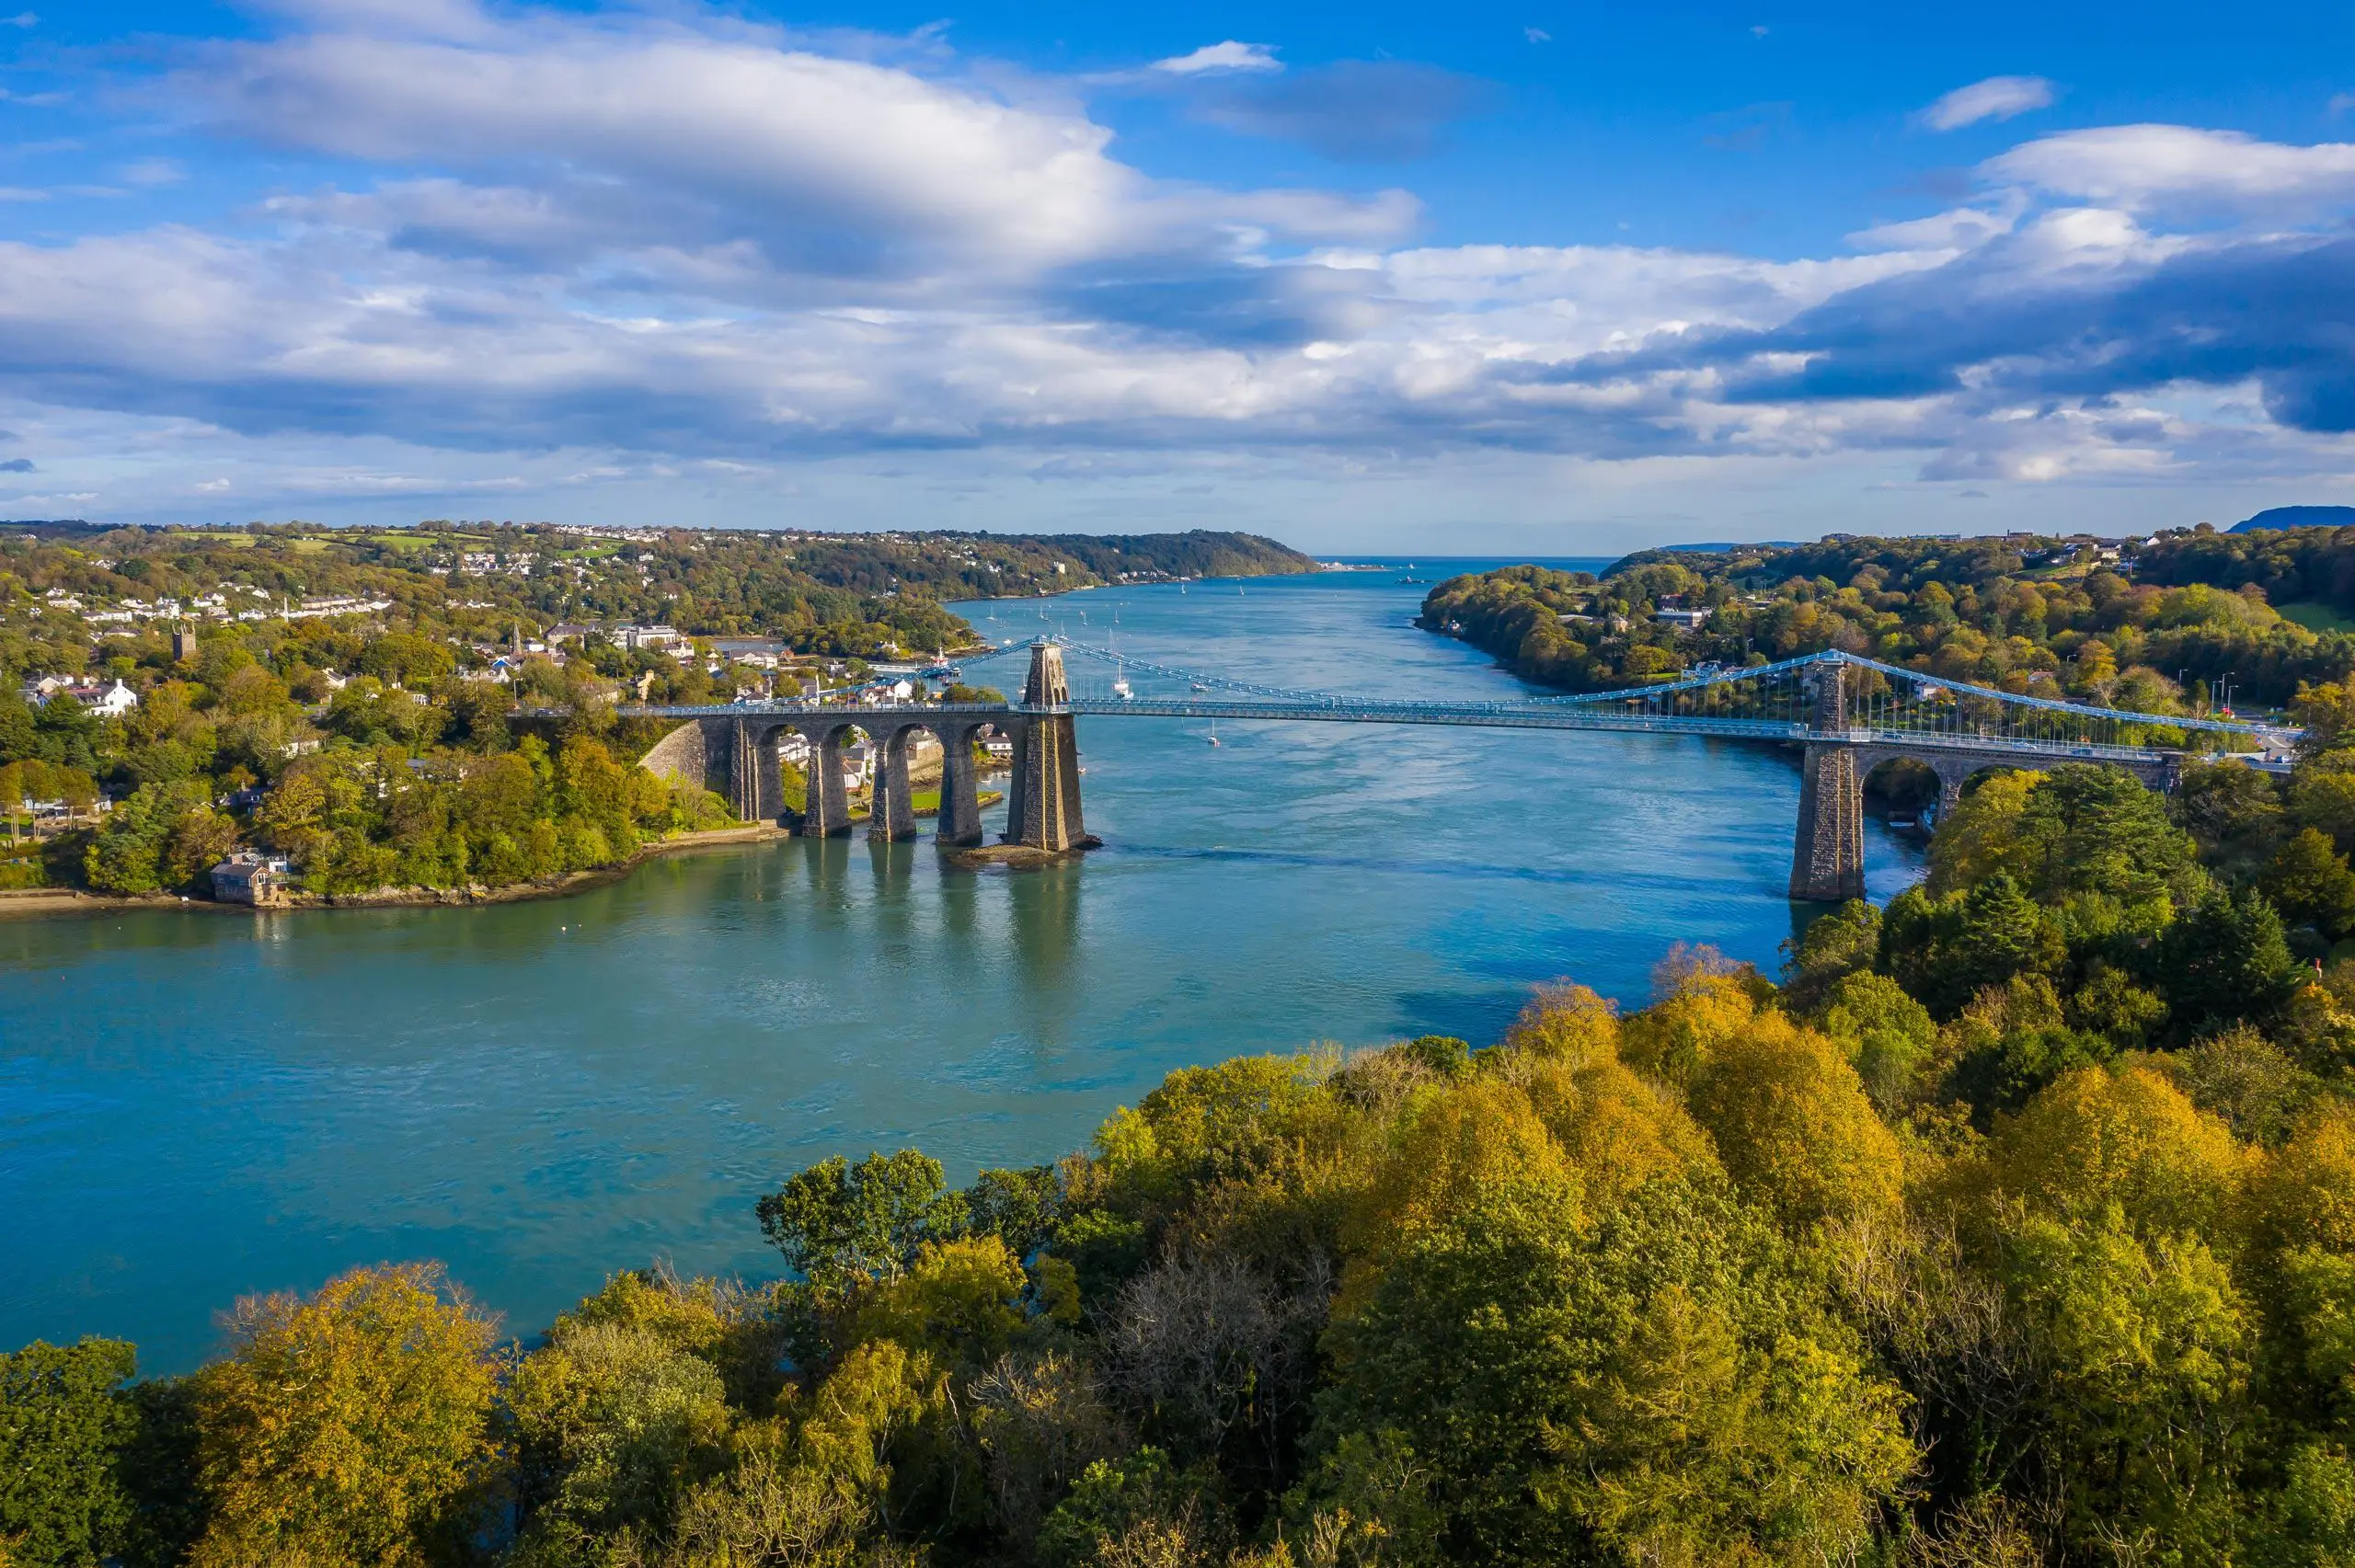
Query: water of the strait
{"x": 196, "y": 1107}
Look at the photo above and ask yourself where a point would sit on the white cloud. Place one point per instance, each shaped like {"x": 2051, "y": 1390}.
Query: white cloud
{"x": 2139, "y": 168}
{"x": 1537, "y": 35}
{"x": 151, "y": 172}
{"x": 658, "y": 133}
{"x": 1997, "y": 98}
{"x": 22, "y": 19}
{"x": 608, "y": 249}
{"x": 1227, "y": 56}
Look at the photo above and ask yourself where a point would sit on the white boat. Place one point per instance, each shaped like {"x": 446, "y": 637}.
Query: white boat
{"x": 1201, "y": 686}
{"x": 1213, "y": 732}
{"x": 1121, "y": 687}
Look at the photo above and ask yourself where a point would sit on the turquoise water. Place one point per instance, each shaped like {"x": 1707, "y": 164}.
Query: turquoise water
{"x": 194, "y": 1106}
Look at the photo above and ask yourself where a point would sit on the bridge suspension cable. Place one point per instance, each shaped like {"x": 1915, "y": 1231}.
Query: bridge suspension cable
{"x": 1878, "y": 699}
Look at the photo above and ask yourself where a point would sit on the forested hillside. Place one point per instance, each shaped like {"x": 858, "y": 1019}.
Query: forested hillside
{"x": 352, "y": 698}
{"x": 65, "y": 590}
{"x": 2161, "y": 627}
{"x": 2014, "y": 1225}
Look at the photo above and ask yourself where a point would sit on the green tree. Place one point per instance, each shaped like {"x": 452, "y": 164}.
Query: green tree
{"x": 2144, "y": 1402}
{"x": 2309, "y": 882}
{"x": 1944, "y": 951}
{"x": 64, "y": 1422}
{"x": 2098, "y": 829}
{"x": 2232, "y": 812}
{"x": 2225, "y": 961}
{"x": 163, "y": 836}
{"x": 1891, "y": 1037}
{"x": 840, "y": 1224}
{"x": 1835, "y": 944}
{"x": 1138, "y": 1509}
{"x": 613, "y": 1425}
{"x": 2012, "y": 1040}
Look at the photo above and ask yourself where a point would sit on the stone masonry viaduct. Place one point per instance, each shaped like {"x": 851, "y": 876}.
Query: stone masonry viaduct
{"x": 736, "y": 754}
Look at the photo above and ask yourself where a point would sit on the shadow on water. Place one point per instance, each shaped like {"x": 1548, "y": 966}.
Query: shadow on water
{"x": 1045, "y": 906}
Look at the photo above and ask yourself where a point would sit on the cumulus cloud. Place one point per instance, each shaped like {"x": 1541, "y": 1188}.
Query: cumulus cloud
{"x": 1227, "y": 56}
{"x": 2142, "y": 167}
{"x": 1997, "y": 98}
{"x": 16, "y": 465}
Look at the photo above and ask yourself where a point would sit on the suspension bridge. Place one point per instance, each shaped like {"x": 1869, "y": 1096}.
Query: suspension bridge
{"x": 1846, "y": 714}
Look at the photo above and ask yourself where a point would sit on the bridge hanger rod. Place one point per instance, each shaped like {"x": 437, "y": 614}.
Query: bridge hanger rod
{"x": 2080, "y": 710}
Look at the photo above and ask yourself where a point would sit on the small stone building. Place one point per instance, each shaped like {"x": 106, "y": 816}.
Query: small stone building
{"x": 250, "y": 876}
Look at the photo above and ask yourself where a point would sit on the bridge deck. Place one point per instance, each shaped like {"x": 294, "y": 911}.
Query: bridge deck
{"x": 1479, "y": 715}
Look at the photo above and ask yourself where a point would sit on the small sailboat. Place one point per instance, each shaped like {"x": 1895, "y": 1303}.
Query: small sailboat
{"x": 1213, "y": 732}
{"x": 1121, "y": 687}
{"x": 1201, "y": 686}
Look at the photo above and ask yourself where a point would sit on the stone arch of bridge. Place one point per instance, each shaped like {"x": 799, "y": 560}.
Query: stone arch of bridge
{"x": 1828, "y": 851}
{"x": 891, "y": 815}
{"x": 1907, "y": 786}
{"x": 825, "y": 809}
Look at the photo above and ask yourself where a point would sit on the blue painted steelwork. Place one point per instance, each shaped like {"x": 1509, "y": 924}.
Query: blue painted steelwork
{"x": 1873, "y": 718}
{"x": 1756, "y": 677}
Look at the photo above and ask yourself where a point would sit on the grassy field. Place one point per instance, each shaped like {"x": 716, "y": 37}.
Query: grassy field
{"x": 2316, "y": 617}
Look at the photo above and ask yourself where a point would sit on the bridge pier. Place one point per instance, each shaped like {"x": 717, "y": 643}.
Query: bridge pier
{"x": 959, "y": 821}
{"x": 1950, "y": 782}
{"x": 892, "y": 812}
{"x": 1044, "y": 813}
{"x": 752, "y": 773}
{"x": 1828, "y": 855}
{"x": 826, "y": 811}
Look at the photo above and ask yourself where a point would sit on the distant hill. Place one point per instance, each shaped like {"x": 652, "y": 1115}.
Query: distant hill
{"x": 2297, "y": 517}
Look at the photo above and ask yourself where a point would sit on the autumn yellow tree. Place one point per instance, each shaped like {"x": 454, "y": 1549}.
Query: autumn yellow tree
{"x": 1792, "y": 1124}
{"x": 349, "y": 1427}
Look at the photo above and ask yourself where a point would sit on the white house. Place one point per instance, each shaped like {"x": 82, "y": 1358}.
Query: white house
{"x": 107, "y": 702}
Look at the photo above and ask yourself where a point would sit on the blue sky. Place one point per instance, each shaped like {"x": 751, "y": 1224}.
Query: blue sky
{"x": 1545, "y": 278}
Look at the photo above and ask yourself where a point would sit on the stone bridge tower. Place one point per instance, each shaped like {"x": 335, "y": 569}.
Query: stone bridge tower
{"x": 1044, "y": 812}
{"x": 1828, "y": 854}
{"x": 1828, "y": 851}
